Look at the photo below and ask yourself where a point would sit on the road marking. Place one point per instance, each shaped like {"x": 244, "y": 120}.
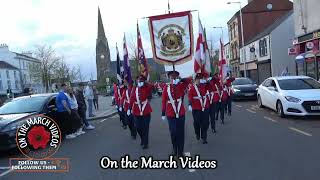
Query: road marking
{"x": 251, "y": 111}
{"x": 238, "y": 105}
{"x": 300, "y": 131}
{"x": 6, "y": 172}
{"x": 2, "y": 168}
{"x": 103, "y": 120}
{"x": 189, "y": 155}
{"x": 270, "y": 119}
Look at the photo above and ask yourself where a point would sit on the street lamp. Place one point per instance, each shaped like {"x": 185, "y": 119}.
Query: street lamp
{"x": 242, "y": 39}
{"x": 219, "y": 27}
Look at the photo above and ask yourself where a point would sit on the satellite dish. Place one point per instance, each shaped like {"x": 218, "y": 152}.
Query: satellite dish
{"x": 269, "y": 6}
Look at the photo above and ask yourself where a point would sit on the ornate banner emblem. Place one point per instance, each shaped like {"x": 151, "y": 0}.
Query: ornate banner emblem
{"x": 172, "y": 37}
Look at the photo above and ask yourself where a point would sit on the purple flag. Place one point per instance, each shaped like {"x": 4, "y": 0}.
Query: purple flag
{"x": 126, "y": 63}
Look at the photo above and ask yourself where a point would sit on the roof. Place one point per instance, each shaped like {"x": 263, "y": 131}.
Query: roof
{"x": 5, "y": 65}
{"x": 37, "y": 95}
{"x": 269, "y": 29}
{"x": 290, "y": 77}
{"x": 26, "y": 56}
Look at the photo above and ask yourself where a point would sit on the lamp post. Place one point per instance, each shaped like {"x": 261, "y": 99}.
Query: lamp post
{"x": 219, "y": 27}
{"x": 242, "y": 39}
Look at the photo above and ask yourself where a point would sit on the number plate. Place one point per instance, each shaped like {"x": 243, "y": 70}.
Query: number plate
{"x": 315, "y": 108}
{"x": 248, "y": 94}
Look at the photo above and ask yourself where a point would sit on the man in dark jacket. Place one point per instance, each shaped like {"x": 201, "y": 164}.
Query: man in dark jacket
{"x": 82, "y": 107}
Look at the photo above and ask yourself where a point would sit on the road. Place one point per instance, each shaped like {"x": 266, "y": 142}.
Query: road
{"x": 253, "y": 144}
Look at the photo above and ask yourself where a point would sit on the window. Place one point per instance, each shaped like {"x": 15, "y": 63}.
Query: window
{"x": 298, "y": 84}
{"x": 9, "y": 84}
{"x": 8, "y": 75}
{"x": 17, "y": 84}
{"x": 1, "y": 87}
{"x": 263, "y": 48}
{"x": 15, "y": 74}
{"x": 24, "y": 78}
{"x": 267, "y": 83}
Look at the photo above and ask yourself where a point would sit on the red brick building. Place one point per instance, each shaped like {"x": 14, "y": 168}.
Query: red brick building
{"x": 257, "y": 15}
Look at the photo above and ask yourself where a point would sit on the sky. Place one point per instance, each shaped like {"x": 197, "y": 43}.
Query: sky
{"x": 70, "y": 26}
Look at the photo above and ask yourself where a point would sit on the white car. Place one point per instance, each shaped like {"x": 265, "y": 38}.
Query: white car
{"x": 290, "y": 95}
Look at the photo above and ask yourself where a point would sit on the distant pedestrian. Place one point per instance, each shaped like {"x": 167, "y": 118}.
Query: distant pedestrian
{"x": 89, "y": 96}
{"x": 82, "y": 107}
{"x": 95, "y": 98}
{"x": 64, "y": 113}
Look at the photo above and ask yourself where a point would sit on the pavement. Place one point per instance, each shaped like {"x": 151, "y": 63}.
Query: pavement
{"x": 105, "y": 109}
{"x": 254, "y": 144}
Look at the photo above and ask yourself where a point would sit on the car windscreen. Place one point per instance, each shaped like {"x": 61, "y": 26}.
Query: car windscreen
{"x": 242, "y": 81}
{"x": 298, "y": 84}
{"x": 23, "y": 105}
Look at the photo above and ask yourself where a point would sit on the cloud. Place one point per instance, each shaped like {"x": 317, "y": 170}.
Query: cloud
{"x": 71, "y": 26}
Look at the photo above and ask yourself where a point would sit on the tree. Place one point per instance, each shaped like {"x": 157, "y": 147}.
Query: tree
{"x": 44, "y": 71}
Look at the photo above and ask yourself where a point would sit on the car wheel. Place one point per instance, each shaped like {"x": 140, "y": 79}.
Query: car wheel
{"x": 280, "y": 109}
{"x": 260, "y": 102}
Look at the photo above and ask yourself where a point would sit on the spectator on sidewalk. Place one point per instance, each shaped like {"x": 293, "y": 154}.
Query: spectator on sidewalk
{"x": 64, "y": 113}
{"x": 76, "y": 120}
{"x": 89, "y": 96}
{"x": 95, "y": 98}
{"x": 82, "y": 107}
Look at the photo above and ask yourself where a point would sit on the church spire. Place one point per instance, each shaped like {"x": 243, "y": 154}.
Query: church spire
{"x": 101, "y": 34}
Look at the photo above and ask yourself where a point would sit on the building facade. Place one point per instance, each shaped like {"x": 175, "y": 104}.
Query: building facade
{"x": 103, "y": 61}
{"x": 307, "y": 37}
{"x": 266, "y": 54}
{"x": 19, "y": 71}
{"x": 257, "y": 15}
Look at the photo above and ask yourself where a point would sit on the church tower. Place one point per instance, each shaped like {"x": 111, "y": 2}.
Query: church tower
{"x": 102, "y": 53}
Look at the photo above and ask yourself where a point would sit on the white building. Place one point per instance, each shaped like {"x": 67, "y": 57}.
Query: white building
{"x": 17, "y": 65}
{"x": 266, "y": 54}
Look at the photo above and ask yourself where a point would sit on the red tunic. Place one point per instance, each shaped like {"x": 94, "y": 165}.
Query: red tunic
{"x": 125, "y": 100}
{"x": 201, "y": 101}
{"x": 228, "y": 86}
{"x": 139, "y": 99}
{"x": 214, "y": 91}
{"x": 118, "y": 94}
{"x": 177, "y": 93}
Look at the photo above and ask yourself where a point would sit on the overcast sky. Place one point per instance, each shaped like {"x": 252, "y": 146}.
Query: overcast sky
{"x": 70, "y": 26}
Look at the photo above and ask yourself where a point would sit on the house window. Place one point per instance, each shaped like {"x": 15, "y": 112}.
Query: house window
{"x": 17, "y": 84}
{"x": 15, "y": 74}
{"x": 8, "y": 75}
{"x": 263, "y": 49}
{"x": 9, "y": 84}
{"x": 24, "y": 78}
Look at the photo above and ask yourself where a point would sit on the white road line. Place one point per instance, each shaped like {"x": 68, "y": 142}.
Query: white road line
{"x": 6, "y": 172}
{"x": 103, "y": 120}
{"x": 251, "y": 111}
{"x": 2, "y": 168}
{"x": 270, "y": 119}
{"x": 300, "y": 131}
{"x": 189, "y": 155}
{"x": 238, "y": 105}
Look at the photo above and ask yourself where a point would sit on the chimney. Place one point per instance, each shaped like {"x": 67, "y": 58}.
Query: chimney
{"x": 4, "y": 47}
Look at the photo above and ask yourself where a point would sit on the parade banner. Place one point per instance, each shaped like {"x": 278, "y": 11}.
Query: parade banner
{"x": 171, "y": 37}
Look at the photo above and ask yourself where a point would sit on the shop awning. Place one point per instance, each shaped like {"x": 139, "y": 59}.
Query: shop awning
{"x": 307, "y": 55}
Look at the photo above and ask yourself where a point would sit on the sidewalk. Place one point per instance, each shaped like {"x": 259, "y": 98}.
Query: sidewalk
{"x": 105, "y": 109}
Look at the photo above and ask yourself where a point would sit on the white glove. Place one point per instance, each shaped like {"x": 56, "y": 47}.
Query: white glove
{"x": 128, "y": 112}
{"x": 120, "y": 108}
{"x": 190, "y": 108}
{"x": 117, "y": 106}
{"x": 163, "y": 118}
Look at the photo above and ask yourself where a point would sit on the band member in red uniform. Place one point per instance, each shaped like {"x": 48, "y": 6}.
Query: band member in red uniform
{"x": 214, "y": 98}
{"x": 118, "y": 96}
{"x": 228, "y": 85}
{"x": 199, "y": 104}
{"x": 141, "y": 109}
{"x": 222, "y": 101}
{"x": 125, "y": 103}
{"x": 173, "y": 109}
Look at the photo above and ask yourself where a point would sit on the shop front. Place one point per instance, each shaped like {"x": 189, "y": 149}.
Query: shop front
{"x": 251, "y": 69}
{"x": 308, "y": 60}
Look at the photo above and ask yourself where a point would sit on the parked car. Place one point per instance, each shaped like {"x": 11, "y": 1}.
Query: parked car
{"x": 244, "y": 88}
{"x": 16, "y": 111}
{"x": 290, "y": 95}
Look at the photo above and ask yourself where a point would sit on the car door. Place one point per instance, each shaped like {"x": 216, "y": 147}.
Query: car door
{"x": 263, "y": 92}
{"x": 50, "y": 109}
{"x": 271, "y": 95}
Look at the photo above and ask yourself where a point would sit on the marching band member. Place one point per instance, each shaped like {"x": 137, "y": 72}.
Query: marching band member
{"x": 199, "y": 105}
{"x": 118, "y": 92}
{"x": 173, "y": 109}
{"x": 125, "y": 103}
{"x": 228, "y": 85}
{"x": 214, "y": 98}
{"x": 141, "y": 109}
{"x": 223, "y": 96}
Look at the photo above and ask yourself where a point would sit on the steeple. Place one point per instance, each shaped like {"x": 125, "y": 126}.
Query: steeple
{"x": 101, "y": 34}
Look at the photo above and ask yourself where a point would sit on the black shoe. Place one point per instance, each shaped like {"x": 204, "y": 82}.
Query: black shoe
{"x": 204, "y": 141}
{"x": 145, "y": 147}
{"x": 213, "y": 131}
{"x": 198, "y": 137}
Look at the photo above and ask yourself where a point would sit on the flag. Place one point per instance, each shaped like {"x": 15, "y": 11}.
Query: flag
{"x": 222, "y": 64}
{"x": 143, "y": 67}
{"x": 171, "y": 37}
{"x": 126, "y": 63}
{"x": 119, "y": 67}
{"x": 201, "y": 56}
